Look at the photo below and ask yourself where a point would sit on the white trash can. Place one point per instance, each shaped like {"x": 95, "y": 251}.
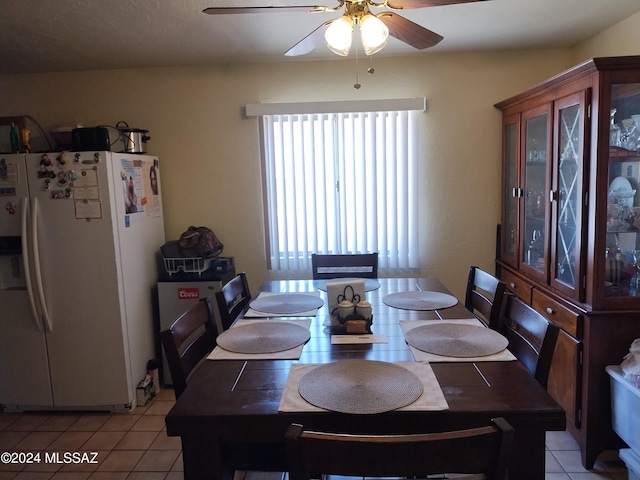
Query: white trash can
{"x": 625, "y": 418}
{"x": 632, "y": 461}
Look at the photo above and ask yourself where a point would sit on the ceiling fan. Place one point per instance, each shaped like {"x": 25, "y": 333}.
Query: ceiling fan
{"x": 374, "y": 27}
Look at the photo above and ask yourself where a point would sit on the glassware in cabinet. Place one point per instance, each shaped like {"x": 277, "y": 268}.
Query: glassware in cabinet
{"x": 510, "y": 231}
{"x": 536, "y": 187}
{"x": 622, "y": 252}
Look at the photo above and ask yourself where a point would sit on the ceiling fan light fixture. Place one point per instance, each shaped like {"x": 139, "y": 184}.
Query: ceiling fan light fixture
{"x": 373, "y": 33}
{"x": 339, "y": 35}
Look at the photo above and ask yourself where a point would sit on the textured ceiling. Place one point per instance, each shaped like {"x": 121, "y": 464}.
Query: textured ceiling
{"x": 68, "y": 35}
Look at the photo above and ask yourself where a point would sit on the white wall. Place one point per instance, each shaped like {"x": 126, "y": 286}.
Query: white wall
{"x": 210, "y": 154}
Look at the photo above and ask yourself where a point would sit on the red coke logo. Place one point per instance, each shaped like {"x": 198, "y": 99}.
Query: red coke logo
{"x": 188, "y": 293}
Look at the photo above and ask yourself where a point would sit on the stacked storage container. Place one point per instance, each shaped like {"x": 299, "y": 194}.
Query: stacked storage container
{"x": 625, "y": 412}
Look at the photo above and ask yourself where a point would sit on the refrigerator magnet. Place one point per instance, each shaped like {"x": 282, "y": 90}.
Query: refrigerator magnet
{"x": 8, "y": 172}
{"x": 62, "y": 178}
{"x": 61, "y": 159}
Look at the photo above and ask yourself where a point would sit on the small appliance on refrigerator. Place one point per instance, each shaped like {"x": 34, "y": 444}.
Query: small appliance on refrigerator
{"x": 78, "y": 238}
{"x": 182, "y": 282}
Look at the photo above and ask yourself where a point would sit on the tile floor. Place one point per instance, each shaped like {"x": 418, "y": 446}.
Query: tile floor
{"x": 134, "y": 446}
{"x": 131, "y": 446}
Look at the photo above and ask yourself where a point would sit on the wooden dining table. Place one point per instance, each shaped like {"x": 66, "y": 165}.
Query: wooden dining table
{"x": 228, "y": 416}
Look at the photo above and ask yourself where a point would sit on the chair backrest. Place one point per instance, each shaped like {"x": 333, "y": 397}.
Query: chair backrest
{"x": 232, "y": 299}
{"x": 473, "y": 451}
{"x": 359, "y": 265}
{"x": 187, "y": 341}
{"x": 532, "y": 337}
{"x": 484, "y": 296}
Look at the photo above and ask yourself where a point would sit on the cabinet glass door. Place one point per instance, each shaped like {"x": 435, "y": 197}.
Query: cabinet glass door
{"x": 534, "y": 235}
{"x": 622, "y": 252}
{"x": 567, "y": 193}
{"x": 511, "y": 191}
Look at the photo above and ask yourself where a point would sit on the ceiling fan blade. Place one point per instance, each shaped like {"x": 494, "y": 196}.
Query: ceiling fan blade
{"x": 309, "y": 42}
{"x": 269, "y": 9}
{"x": 408, "y": 4}
{"x": 409, "y": 32}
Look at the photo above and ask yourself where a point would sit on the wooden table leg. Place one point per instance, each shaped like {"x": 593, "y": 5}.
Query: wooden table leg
{"x": 201, "y": 459}
{"x": 528, "y": 456}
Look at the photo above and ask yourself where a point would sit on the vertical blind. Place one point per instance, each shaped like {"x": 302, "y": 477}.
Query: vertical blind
{"x": 341, "y": 183}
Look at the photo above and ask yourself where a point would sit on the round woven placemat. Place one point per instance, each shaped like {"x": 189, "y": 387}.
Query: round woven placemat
{"x": 456, "y": 340}
{"x": 263, "y": 337}
{"x": 369, "y": 283}
{"x": 360, "y": 386}
{"x": 420, "y": 300}
{"x": 287, "y": 303}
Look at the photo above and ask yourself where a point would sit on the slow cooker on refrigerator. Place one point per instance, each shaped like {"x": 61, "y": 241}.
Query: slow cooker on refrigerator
{"x": 135, "y": 140}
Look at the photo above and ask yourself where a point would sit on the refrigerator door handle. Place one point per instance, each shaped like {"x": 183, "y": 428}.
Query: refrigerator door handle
{"x": 36, "y": 264}
{"x": 25, "y": 264}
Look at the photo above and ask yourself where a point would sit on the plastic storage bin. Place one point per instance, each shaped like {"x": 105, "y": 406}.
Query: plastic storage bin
{"x": 632, "y": 461}
{"x": 625, "y": 418}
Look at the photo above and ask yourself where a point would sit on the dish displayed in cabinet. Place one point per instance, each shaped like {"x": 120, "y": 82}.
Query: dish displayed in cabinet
{"x": 621, "y": 218}
{"x": 621, "y": 193}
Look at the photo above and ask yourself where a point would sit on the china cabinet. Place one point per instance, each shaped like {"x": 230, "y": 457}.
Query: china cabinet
{"x": 569, "y": 241}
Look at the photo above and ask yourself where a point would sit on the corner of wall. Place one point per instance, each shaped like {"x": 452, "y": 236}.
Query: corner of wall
{"x": 621, "y": 39}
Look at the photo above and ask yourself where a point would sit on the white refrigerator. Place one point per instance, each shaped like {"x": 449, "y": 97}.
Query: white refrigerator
{"x": 79, "y": 234}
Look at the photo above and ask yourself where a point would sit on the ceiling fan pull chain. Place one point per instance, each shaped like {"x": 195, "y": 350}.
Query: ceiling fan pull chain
{"x": 357, "y": 84}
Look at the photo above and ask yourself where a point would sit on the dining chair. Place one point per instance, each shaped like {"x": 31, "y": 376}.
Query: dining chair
{"x": 232, "y": 299}
{"x": 186, "y": 343}
{"x": 358, "y": 265}
{"x": 189, "y": 339}
{"x": 532, "y": 337}
{"x": 483, "y": 450}
{"x": 484, "y": 297}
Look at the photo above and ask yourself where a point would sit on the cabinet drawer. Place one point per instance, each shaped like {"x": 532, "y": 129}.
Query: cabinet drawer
{"x": 517, "y": 285}
{"x": 565, "y": 318}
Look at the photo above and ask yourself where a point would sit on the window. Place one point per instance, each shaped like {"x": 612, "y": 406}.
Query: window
{"x": 341, "y": 183}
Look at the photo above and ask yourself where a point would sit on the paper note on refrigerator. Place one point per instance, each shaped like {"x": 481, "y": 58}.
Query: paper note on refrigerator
{"x": 88, "y": 209}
